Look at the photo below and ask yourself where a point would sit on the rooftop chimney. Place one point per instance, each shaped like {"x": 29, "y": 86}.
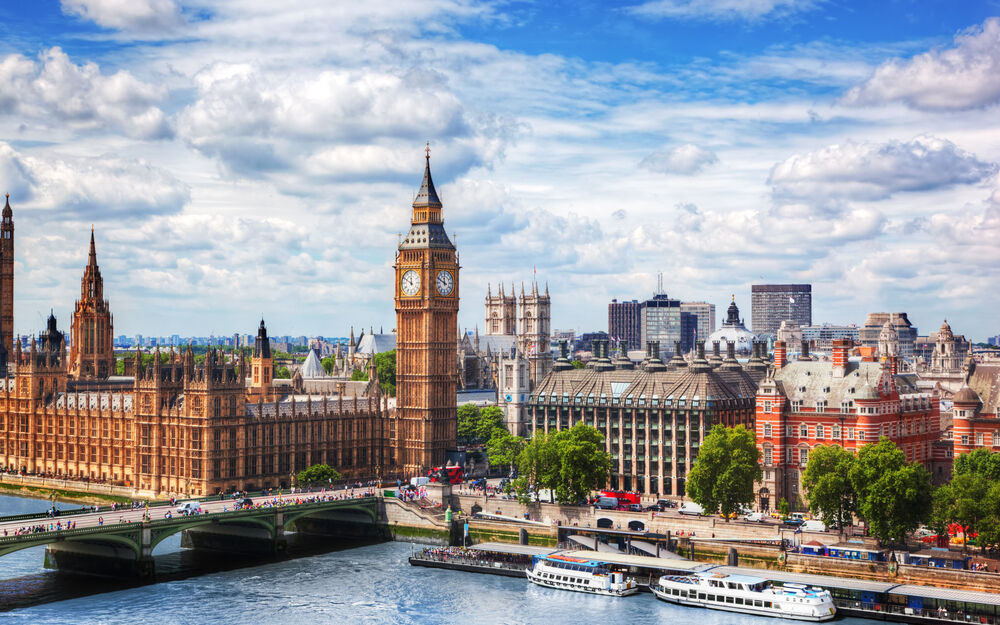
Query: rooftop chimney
{"x": 840, "y": 350}
{"x": 780, "y": 354}
{"x": 804, "y": 355}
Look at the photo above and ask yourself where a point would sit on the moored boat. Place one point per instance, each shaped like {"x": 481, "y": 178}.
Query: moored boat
{"x": 746, "y": 594}
{"x": 580, "y": 575}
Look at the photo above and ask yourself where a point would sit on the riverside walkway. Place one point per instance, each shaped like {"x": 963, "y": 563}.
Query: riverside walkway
{"x": 121, "y": 542}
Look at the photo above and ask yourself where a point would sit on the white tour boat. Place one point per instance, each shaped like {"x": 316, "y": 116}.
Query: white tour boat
{"x": 581, "y": 575}
{"x": 750, "y": 595}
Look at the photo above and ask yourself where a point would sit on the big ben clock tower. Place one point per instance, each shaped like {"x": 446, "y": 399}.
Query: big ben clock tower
{"x": 426, "y": 327}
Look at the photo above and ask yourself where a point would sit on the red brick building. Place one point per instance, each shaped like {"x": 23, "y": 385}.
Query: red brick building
{"x": 976, "y": 423}
{"x": 806, "y": 402}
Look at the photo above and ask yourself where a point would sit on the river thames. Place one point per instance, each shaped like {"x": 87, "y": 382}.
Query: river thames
{"x": 358, "y": 584}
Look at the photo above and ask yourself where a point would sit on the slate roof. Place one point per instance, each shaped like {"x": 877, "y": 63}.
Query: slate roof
{"x": 985, "y": 381}
{"x": 312, "y": 368}
{"x": 376, "y": 344}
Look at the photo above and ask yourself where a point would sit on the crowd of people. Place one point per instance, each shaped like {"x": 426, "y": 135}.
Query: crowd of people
{"x": 41, "y": 528}
{"x": 476, "y": 557}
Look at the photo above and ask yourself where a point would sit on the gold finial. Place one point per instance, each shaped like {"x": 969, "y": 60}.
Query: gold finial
{"x": 427, "y": 150}
{"x": 734, "y": 297}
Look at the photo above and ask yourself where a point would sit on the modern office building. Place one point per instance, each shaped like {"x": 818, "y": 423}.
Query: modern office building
{"x": 624, "y": 319}
{"x": 821, "y": 337}
{"x": 653, "y": 415}
{"x": 770, "y": 304}
{"x": 661, "y": 320}
{"x": 868, "y": 335}
{"x": 705, "y": 313}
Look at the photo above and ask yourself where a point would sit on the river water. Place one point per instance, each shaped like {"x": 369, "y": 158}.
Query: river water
{"x": 371, "y": 584}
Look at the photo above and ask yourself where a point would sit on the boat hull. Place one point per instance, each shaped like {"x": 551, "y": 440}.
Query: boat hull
{"x": 726, "y": 607}
{"x": 593, "y": 590}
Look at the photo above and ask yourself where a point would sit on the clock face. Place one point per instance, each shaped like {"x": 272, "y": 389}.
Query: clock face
{"x": 410, "y": 283}
{"x": 445, "y": 283}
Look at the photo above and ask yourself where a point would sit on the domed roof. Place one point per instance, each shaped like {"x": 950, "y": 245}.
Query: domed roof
{"x": 945, "y": 334}
{"x": 966, "y": 396}
{"x": 734, "y": 331}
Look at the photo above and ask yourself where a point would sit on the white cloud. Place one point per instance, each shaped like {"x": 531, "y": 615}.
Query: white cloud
{"x": 966, "y": 76}
{"x": 721, "y": 10}
{"x": 137, "y": 15}
{"x": 82, "y": 189}
{"x": 686, "y": 159}
{"x": 335, "y": 124}
{"x": 875, "y": 171}
{"x": 56, "y": 91}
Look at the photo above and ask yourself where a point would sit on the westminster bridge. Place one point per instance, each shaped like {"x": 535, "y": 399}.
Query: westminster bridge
{"x": 120, "y": 543}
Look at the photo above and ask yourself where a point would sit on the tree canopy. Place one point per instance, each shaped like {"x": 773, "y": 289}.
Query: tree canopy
{"x": 317, "y": 474}
{"x": 570, "y": 463}
{"x": 475, "y": 425}
{"x": 972, "y": 498}
{"x": 503, "y": 448}
{"x": 359, "y": 375}
{"x": 827, "y": 483}
{"x": 722, "y": 477}
{"x": 893, "y": 497}
{"x": 385, "y": 366}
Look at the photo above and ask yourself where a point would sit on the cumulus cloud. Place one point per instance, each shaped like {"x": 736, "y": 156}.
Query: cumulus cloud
{"x": 875, "y": 171}
{"x": 55, "y": 90}
{"x": 687, "y": 159}
{"x": 721, "y": 10}
{"x": 137, "y": 15}
{"x": 335, "y": 124}
{"x": 88, "y": 188}
{"x": 963, "y": 77}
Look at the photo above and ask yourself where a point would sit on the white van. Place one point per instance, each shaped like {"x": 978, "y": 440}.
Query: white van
{"x": 692, "y": 508}
{"x": 814, "y": 526}
{"x": 754, "y": 517}
{"x": 419, "y": 481}
{"x": 189, "y": 507}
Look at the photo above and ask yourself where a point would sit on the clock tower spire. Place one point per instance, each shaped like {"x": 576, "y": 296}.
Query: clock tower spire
{"x": 426, "y": 325}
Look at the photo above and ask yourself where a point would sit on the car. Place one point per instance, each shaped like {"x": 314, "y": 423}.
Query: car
{"x": 792, "y": 522}
{"x": 606, "y": 503}
{"x": 635, "y": 507}
{"x": 245, "y": 504}
{"x": 656, "y": 507}
{"x": 666, "y": 503}
{"x": 754, "y": 517}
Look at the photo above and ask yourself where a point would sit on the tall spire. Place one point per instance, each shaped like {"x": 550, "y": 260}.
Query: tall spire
{"x": 7, "y": 212}
{"x": 93, "y": 249}
{"x": 427, "y": 197}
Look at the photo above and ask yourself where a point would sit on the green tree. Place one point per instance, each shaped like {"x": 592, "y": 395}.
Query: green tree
{"x": 503, "y": 448}
{"x": 490, "y": 418}
{"x": 784, "y": 508}
{"x": 328, "y": 364}
{"x": 893, "y": 497}
{"x": 468, "y": 420}
{"x": 722, "y": 477}
{"x": 584, "y": 465}
{"x": 385, "y": 365}
{"x": 964, "y": 500}
{"x": 283, "y": 373}
{"x": 317, "y": 474}
{"x": 826, "y": 481}
{"x": 578, "y": 364}
{"x": 538, "y": 463}
{"x": 359, "y": 375}
{"x": 980, "y": 462}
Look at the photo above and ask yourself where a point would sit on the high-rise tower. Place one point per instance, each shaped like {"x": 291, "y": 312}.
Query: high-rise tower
{"x": 92, "y": 355}
{"x": 7, "y": 275}
{"x": 426, "y": 326}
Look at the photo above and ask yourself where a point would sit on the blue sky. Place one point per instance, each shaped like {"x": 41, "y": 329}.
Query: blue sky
{"x": 249, "y": 158}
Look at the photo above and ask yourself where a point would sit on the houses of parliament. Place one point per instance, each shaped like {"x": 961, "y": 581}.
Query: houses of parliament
{"x": 181, "y": 427}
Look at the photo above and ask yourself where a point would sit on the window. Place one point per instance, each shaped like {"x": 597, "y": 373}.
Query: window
{"x": 789, "y": 459}
{"x": 768, "y": 456}
{"x": 861, "y": 435}
{"x": 767, "y": 406}
{"x": 796, "y": 405}
{"x": 836, "y": 431}
{"x": 767, "y": 430}
{"x": 819, "y": 431}
{"x": 788, "y": 431}
{"x": 996, "y": 438}
{"x": 804, "y": 431}
{"x": 965, "y": 439}
{"x": 979, "y": 439}
{"x": 803, "y": 456}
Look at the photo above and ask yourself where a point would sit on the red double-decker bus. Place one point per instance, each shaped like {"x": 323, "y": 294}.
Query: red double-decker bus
{"x": 624, "y": 498}
{"x": 447, "y": 475}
